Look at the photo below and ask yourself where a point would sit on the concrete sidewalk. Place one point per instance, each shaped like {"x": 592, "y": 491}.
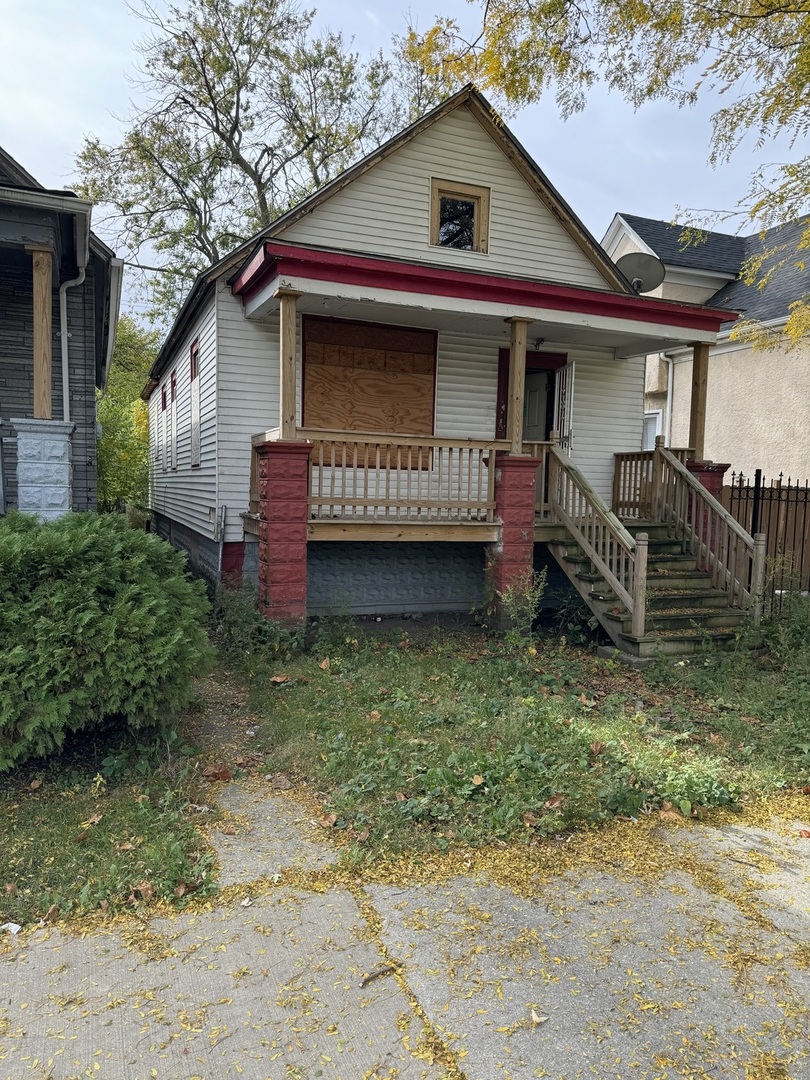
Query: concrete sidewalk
{"x": 702, "y": 972}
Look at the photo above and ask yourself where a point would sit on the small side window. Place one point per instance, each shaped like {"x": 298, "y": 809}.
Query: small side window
{"x": 459, "y": 216}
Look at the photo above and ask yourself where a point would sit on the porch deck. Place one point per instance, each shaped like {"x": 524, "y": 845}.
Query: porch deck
{"x": 356, "y": 486}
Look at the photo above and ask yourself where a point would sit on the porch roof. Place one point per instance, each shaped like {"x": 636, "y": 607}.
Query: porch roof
{"x": 631, "y": 324}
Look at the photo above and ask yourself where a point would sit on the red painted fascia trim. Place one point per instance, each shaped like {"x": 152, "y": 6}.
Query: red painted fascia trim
{"x": 251, "y": 269}
{"x": 297, "y": 262}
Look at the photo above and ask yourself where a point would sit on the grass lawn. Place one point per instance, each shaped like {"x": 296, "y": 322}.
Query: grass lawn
{"x": 420, "y": 740}
{"x": 413, "y": 740}
{"x": 105, "y": 825}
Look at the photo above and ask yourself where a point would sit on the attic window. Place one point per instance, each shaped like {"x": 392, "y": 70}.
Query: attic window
{"x": 459, "y": 216}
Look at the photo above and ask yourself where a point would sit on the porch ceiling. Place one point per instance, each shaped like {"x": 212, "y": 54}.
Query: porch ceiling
{"x": 414, "y": 294}
{"x": 432, "y": 315}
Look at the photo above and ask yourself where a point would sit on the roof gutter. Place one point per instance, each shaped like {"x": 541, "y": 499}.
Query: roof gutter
{"x": 62, "y": 204}
{"x": 116, "y": 279}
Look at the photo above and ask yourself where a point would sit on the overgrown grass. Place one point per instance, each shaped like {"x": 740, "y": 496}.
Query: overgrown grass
{"x": 106, "y": 825}
{"x": 754, "y": 703}
{"x": 424, "y": 741}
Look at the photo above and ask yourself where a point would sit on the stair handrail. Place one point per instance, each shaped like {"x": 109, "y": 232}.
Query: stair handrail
{"x": 735, "y": 559}
{"x": 617, "y": 555}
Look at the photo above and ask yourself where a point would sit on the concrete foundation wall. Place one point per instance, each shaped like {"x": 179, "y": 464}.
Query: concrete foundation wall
{"x": 394, "y": 578}
{"x": 203, "y": 554}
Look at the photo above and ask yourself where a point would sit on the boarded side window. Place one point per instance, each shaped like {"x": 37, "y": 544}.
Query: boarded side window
{"x": 364, "y": 377}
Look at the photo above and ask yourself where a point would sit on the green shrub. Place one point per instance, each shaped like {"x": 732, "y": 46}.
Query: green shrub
{"x": 96, "y": 620}
{"x": 246, "y": 638}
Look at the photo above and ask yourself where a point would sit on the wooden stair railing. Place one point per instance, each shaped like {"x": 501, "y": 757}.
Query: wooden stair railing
{"x": 619, "y": 558}
{"x": 633, "y": 481}
{"x": 722, "y": 547}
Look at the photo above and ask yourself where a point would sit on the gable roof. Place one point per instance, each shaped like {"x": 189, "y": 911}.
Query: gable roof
{"x": 721, "y": 252}
{"x": 790, "y": 283}
{"x": 487, "y": 116}
{"x": 727, "y": 254}
{"x": 17, "y": 176}
{"x": 490, "y": 121}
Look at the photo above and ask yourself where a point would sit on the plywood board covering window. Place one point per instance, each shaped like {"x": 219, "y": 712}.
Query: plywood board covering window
{"x": 363, "y": 377}
{"x": 459, "y": 215}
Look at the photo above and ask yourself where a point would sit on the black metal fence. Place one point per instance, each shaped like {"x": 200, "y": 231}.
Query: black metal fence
{"x": 781, "y": 510}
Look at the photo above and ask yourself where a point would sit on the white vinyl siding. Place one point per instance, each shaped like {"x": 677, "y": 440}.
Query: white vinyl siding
{"x": 466, "y": 386}
{"x": 248, "y": 390}
{"x": 607, "y": 400}
{"x": 608, "y": 412}
{"x": 173, "y": 418}
{"x": 387, "y": 210}
{"x": 188, "y": 495}
{"x": 194, "y": 375}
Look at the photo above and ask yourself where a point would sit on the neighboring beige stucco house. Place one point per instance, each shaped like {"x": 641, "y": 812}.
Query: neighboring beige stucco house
{"x": 758, "y": 399}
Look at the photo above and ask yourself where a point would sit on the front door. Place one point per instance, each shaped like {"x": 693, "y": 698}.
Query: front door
{"x": 538, "y": 396}
{"x": 535, "y": 411}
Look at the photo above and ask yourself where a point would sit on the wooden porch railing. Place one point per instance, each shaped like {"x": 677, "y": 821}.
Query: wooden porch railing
{"x": 621, "y": 559}
{"x": 735, "y": 560}
{"x": 367, "y": 477}
{"x": 633, "y": 482}
{"x": 542, "y": 451}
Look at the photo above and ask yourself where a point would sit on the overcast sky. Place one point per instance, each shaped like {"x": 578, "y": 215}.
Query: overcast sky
{"x": 64, "y": 75}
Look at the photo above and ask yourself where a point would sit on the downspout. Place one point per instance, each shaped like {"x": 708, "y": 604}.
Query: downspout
{"x": 219, "y": 537}
{"x": 670, "y": 362}
{"x": 63, "y": 340}
{"x": 82, "y": 225}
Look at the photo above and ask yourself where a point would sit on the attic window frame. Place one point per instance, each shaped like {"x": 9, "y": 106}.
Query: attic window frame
{"x": 477, "y": 195}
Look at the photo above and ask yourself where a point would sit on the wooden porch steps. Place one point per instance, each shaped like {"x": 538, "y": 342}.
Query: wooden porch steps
{"x": 685, "y": 614}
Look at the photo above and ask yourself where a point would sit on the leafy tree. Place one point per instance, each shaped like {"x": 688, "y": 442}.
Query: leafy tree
{"x": 123, "y": 472}
{"x": 246, "y": 111}
{"x": 755, "y": 53}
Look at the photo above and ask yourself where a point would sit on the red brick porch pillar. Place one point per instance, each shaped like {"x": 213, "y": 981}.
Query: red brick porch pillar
{"x": 510, "y": 562}
{"x": 283, "y": 515}
{"x": 710, "y": 474}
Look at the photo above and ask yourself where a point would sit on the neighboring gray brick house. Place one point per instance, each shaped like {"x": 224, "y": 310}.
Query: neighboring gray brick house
{"x": 59, "y": 295}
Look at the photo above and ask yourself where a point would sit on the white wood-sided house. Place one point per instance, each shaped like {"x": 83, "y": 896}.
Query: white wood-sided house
{"x": 424, "y": 374}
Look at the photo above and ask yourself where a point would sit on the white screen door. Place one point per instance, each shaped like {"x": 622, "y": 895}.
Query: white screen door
{"x": 564, "y": 405}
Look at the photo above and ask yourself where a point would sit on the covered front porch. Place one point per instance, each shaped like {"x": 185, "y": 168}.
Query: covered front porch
{"x": 463, "y": 420}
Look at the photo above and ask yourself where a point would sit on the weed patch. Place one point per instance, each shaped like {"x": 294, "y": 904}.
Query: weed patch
{"x": 107, "y": 825}
{"x": 423, "y": 742}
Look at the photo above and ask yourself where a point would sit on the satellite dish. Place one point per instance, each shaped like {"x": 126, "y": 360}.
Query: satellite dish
{"x": 644, "y": 272}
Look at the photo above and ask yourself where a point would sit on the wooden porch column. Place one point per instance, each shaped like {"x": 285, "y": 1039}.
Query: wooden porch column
{"x": 697, "y": 415}
{"x": 287, "y": 356}
{"x": 517, "y": 383}
{"x": 42, "y": 283}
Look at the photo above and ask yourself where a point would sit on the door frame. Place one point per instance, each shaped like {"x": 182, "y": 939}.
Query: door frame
{"x": 535, "y": 361}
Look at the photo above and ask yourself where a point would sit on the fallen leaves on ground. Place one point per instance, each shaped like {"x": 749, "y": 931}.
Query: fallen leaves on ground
{"x": 217, "y": 771}
{"x": 280, "y": 782}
